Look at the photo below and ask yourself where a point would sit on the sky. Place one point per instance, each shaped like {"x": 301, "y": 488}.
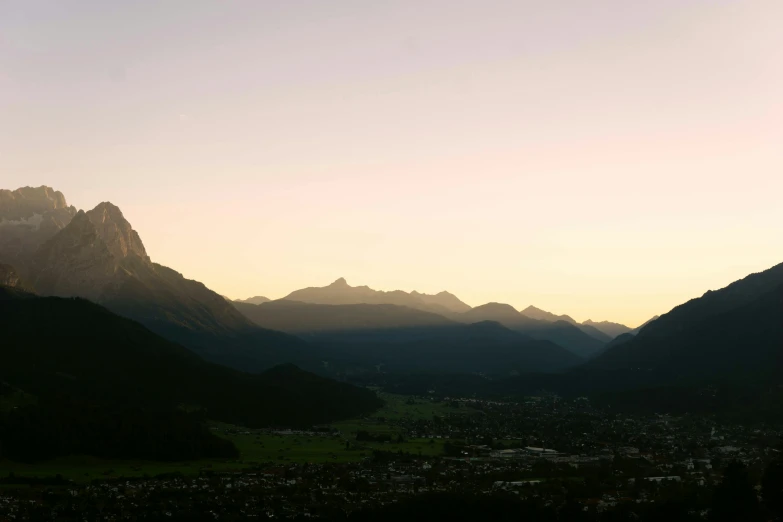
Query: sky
{"x": 608, "y": 159}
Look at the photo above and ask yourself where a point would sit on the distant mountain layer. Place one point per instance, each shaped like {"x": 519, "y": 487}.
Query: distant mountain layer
{"x": 339, "y": 293}
{"x": 355, "y": 338}
{"x": 305, "y": 318}
{"x": 254, "y": 300}
{"x": 609, "y": 328}
{"x": 639, "y": 328}
{"x": 588, "y": 328}
{"x": 543, "y": 315}
{"x": 735, "y": 332}
{"x": 562, "y": 333}
{"x": 449, "y": 306}
{"x": 594, "y": 332}
{"x": 485, "y": 347}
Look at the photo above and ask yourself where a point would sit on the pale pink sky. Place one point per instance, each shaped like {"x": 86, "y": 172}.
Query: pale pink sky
{"x": 608, "y": 159}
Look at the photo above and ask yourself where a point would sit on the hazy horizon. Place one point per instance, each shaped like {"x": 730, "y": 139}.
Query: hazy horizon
{"x": 604, "y": 159}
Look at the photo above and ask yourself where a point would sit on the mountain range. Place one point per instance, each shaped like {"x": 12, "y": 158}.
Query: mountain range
{"x": 563, "y": 333}
{"x": 611, "y": 329}
{"x": 97, "y": 255}
{"x": 584, "y": 340}
{"x": 52, "y": 249}
{"x": 89, "y": 350}
{"x": 399, "y": 338}
{"x": 443, "y": 303}
{"x": 719, "y": 352}
{"x": 340, "y": 292}
{"x": 90, "y": 371}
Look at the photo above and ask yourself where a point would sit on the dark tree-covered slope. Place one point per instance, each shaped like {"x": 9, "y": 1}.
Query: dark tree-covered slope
{"x": 729, "y": 332}
{"x": 708, "y": 339}
{"x": 53, "y": 346}
{"x": 486, "y": 347}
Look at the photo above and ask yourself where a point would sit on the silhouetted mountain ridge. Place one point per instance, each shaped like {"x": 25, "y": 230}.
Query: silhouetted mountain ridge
{"x": 542, "y": 315}
{"x": 562, "y": 333}
{"x": 259, "y": 299}
{"x": 609, "y": 328}
{"x": 99, "y": 256}
{"x": 340, "y": 293}
{"x": 359, "y": 337}
{"x": 735, "y": 330}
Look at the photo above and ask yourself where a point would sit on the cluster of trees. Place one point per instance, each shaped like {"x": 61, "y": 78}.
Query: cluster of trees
{"x": 735, "y": 499}
{"x": 772, "y": 486}
{"x": 366, "y": 436}
{"x": 73, "y": 426}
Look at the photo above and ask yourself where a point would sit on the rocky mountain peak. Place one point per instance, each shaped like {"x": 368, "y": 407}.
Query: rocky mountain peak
{"x": 26, "y": 202}
{"x": 118, "y": 234}
{"x": 257, "y": 300}
{"x": 542, "y": 315}
{"x": 340, "y": 283}
{"x": 498, "y": 308}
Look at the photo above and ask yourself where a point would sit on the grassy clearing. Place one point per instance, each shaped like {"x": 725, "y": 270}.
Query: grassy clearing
{"x": 15, "y": 399}
{"x": 258, "y": 447}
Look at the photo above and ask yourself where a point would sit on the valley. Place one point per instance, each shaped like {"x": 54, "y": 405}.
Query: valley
{"x": 127, "y": 388}
{"x": 437, "y": 446}
{"x": 407, "y": 261}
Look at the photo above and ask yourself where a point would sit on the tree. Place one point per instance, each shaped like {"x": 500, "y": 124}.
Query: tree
{"x": 734, "y": 499}
{"x": 772, "y": 486}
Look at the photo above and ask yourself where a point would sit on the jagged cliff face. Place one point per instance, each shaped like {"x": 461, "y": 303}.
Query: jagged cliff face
{"x": 27, "y": 201}
{"x": 115, "y": 231}
{"x": 8, "y": 276}
{"x": 99, "y": 256}
{"x": 75, "y": 262}
{"x": 28, "y": 218}
{"x": 93, "y": 257}
{"x": 90, "y": 257}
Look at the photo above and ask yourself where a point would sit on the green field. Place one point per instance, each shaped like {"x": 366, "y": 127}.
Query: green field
{"x": 259, "y": 447}
{"x": 16, "y": 399}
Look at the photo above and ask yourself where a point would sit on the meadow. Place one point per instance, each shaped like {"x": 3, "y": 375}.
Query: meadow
{"x": 260, "y": 447}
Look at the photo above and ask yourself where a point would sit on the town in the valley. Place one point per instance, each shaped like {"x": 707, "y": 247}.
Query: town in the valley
{"x": 549, "y": 450}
